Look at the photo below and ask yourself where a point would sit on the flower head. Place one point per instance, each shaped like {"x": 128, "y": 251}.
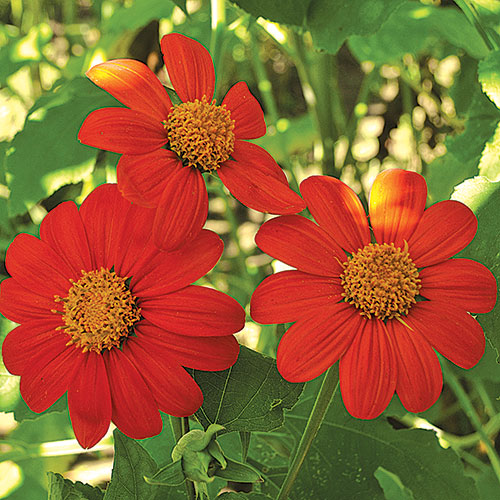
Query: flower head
{"x": 166, "y": 148}
{"x": 382, "y": 304}
{"x": 110, "y": 320}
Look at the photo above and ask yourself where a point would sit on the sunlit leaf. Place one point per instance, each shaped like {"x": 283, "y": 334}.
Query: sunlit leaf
{"x": 331, "y": 22}
{"x": 393, "y": 488}
{"x": 46, "y": 153}
{"x": 249, "y": 396}
{"x": 414, "y": 29}
{"x": 489, "y": 76}
{"x": 483, "y": 197}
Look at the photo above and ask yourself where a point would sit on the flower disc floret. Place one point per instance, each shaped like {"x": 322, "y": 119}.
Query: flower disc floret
{"x": 99, "y": 311}
{"x": 201, "y": 133}
{"x": 381, "y": 280}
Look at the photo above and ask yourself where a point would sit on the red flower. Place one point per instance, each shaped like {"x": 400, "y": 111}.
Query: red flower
{"x": 382, "y": 308}
{"x": 106, "y": 317}
{"x": 166, "y": 148}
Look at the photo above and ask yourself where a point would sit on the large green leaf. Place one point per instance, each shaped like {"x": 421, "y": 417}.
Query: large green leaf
{"x": 132, "y": 462}
{"x": 489, "y": 76}
{"x": 347, "y": 452}
{"x": 281, "y": 11}
{"x": 483, "y": 197}
{"x": 46, "y": 153}
{"x": 64, "y": 489}
{"x": 249, "y": 396}
{"x": 463, "y": 151}
{"x": 414, "y": 28}
{"x": 331, "y": 22}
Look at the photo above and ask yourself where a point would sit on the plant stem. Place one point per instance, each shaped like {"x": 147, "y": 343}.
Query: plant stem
{"x": 469, "y": 410}
{"x": 180, "y": 426}
{"x": 318, "y": 412}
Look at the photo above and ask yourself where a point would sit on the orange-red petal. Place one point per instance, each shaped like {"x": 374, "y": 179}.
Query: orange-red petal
{"x": 20, "y": 304}
{"x": 450, "y": 330}
{"x": 286, "y": 296}
{"x": 174, "y": 391}
{"x": 316, "y": 342}
{"x": 337, "y": 209}
{"x": 142, "y": 178}
{"x": 445, "y": 228}
{"x": 368, "y": 372}
{"x": 465, "y": 283}
{"x": 397, "y": 202}
{"x": 89, "y": 401}
{"x": 62, "y": 228}
{"x": 38, "y": 267}
{"x": 48, "y": 376}
{"x": 200, "y": 353}
{"x": 179, "y": 268}
{"x": 133, "y": 84}
{"x": 134, "y": 409}
{"x": 258, "y": 182}
{"x": 189, "y": 67}
{"x": 245, "y": 111}
{"x": 182, "y": 209}
{"x": 300, "y": 243}
{"x": 195, "y": 310}
{"x": 21, "y": 347}
{"x": 122, "y": 130}
{"x": 420, "y": 380}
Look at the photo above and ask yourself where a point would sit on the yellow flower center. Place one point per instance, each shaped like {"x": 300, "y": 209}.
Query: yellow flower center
{"x": 201, "y": 133}
{"x": 99, "y": 311}
{"x": 381, "y": 280}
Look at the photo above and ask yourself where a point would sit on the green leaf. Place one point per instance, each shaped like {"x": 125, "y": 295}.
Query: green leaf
{"x": 238, "y": 472}
{"x": 347, "y": 452}
{"x": 483, "y": 197}
{"x": 415, "y": 28}
{"x": 463, "y": 151}
{"x": 249, "y": 396}
{"x": 489, "y": 164}
{"x": 64, "y": 489}
{"x": 280, "y": 11}
{"x": 46, "y": 153}
{"x": 132, "y": 462}
{"x": 22, "y": 411}
{"x": 170, "y": 475}
{"x": 489, "y": 76}
{"x": 331, "y": 22}
{"x": 138, "y": 14}
{"x": 242, "y": 496}
{"x": 393, "y": 488}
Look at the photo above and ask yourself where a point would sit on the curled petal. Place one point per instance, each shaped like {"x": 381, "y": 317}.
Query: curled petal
{"x": 420, "y": 380}
{"x": 300, "y": 243}
{"x": 142, "y": 178}
{"x": 463, "y": 282}
{"x": 133, "y": 84}
{"x": 397, "y": 202}
{"x": 368, "y": 372}
{"x": 245, "y": 111}
{"x": 337, "y": 209}
{"x": 122, "y": 130}
{"x": 189, "y": 67}
{"x": 445, "y": 228}
{"x": 182, "y": 209}
{"x": 284, "y": 297}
